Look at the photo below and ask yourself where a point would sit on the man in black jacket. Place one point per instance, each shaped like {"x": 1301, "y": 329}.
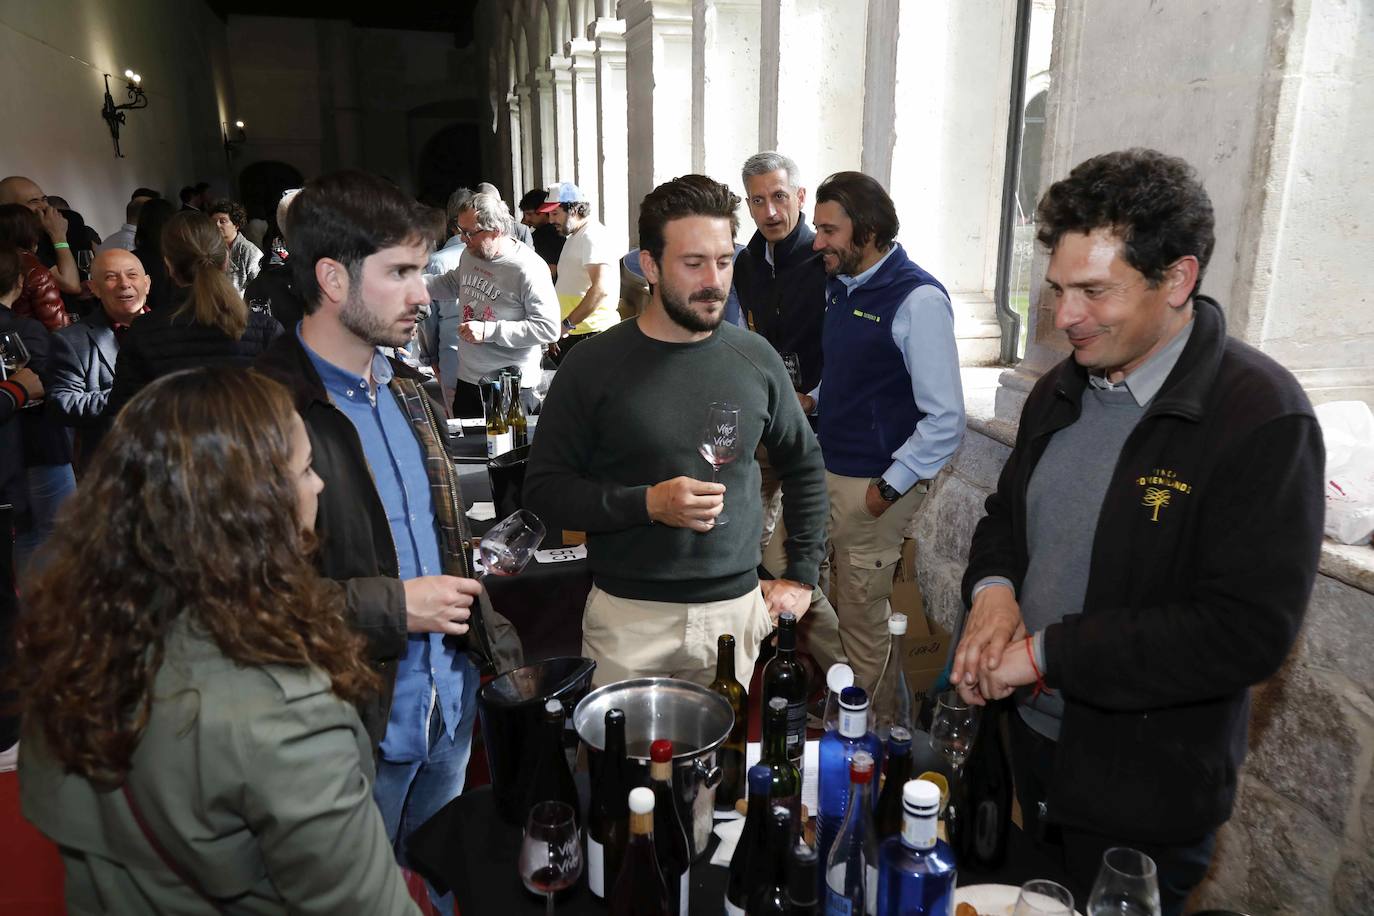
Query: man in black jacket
{"x": 1153, "y": 540}
{"x": 780, "y": 283}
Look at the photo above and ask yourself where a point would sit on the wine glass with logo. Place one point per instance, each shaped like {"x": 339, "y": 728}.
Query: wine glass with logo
{"x": 953, "y": 729}
{"x": 14, "y": 355}
{"x": 508, "y": 546}
{"x": 551, "y": 852}
{"x": 1043, "y": 898}
{"x": 1127, "y": 885}
{"x": 720, "y": 441}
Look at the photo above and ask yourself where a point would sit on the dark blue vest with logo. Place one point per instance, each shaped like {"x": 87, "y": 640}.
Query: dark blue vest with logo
{"x": 867, "y": 409}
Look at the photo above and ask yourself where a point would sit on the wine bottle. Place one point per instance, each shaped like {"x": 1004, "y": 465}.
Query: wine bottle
{"x": 981, "y": 796}
{"x": 916, "y": 872}
{"x": 551, "y": 779}
{"x": 786, "y": 778}
{"x": 837, "y": 751}
{"x": 751, "y": 841}
{"x": 670, "y": 837}
{"x": 785, "y": 677}
{"x": 639, "y": 888}
{"x": 837, "y": 678}
{"x": 851, "y": 871}
{"x": 608, "y": 813}
{"x": 731, "y": 754}
{"x": 768, "y": 897}
{"x": 887, "y": 818}
{"x": 515, "y": 411}
{"x": 891, "y": 698}
{"x": 802, "y": 882}
{"x": 498, "y": 432}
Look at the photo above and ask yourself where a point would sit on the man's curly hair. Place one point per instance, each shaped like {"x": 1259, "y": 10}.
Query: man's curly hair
{"x": 1153, "y": 202}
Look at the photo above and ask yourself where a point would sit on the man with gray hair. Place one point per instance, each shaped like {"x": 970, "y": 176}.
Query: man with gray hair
{"x": 507, "y": 306}
{"x": 780, "y": 283}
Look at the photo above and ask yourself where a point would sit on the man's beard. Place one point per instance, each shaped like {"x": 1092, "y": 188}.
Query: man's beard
{"x": 847, "y": 261}
{"x": 367, "y": 326}
{"x": 680, "y": 310}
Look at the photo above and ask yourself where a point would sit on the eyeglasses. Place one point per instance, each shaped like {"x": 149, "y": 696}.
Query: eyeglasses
{"x": 470, "y": 233}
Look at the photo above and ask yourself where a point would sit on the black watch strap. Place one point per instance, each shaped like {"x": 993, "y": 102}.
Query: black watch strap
{"x": 886, "y": 490}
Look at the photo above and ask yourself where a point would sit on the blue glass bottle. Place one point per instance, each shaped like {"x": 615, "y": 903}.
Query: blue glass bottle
{"x": 851, "y": 871}
{"x": 837, "y": 750}
{"x": 916, "y": 870}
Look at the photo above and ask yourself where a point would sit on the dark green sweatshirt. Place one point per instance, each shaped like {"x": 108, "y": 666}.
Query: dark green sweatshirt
{"x": 626, "y": 412}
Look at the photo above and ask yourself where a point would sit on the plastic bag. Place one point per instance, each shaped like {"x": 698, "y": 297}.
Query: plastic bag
{"x": 1348, "y": 430}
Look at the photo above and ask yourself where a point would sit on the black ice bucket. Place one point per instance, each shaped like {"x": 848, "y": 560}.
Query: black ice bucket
{"x": 510, "y": 707}
{"x": 507, "y": 475}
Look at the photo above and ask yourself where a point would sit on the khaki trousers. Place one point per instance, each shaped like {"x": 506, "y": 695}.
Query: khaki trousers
{"x": 864, "y": 552}
{"x": 628, "y": 637}
{"x": 818, "y": 632}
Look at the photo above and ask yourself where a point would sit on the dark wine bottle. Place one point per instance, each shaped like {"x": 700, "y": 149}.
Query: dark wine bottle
{"x": 785, "y": 677}
{"x": 802, "y": 881}
{"x": 608, "y": 813}
{"x": 887, "y": 820}
{"x": 981, "y": 798}
{"x": 768, "y": 896}
{"x": 731, "y": 753}
{"x": 751, "y": 841}
{"x": 551, "y": 779}
{"x": 639, "y": 888}
{"x": 670, "y": 836}
{"x": 787, "y": 780}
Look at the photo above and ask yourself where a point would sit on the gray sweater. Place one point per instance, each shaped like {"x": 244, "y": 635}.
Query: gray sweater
{"x": 626, "y": 412}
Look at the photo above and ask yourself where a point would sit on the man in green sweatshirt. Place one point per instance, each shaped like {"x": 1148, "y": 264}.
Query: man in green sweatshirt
{"x": 618, "y": 455}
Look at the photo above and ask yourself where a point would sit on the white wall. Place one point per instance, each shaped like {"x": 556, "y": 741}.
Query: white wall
{"x": 52, "y": 55}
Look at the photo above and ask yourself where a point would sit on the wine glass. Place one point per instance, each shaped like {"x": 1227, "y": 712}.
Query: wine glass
{"x": 551, "y": 852}
{"x": 1126, "y": 885}
{"x": 1043, "y": 898}
{"x": 792, "y": 363}
{"x": 84, "y": 258}
{"x": 14, "y": 355}
{"x": 953, "y": 729}
{"x": 507, "y": 547}
{"x": 720, "y": 441}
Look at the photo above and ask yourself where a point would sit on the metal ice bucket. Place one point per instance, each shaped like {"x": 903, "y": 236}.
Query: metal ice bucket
{"x": 695, "y": 719}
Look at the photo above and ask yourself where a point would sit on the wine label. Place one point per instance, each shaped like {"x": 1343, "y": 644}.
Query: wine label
{"x": 796, "y": 728}
{"x": 853, "y": 722}
{"x": 684, "y": 887}
{"x": 918, "y": 832}
{"x": 837, "y": 904}
{"x": 596, "y": 867}
{"x": 498, "y": 444}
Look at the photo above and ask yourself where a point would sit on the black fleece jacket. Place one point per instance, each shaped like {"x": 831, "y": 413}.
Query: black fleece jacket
{"x": 785, "y": 302}
{"x": 1184, "y": 613}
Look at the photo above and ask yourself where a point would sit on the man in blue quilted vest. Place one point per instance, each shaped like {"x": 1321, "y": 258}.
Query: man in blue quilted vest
{"x": 890, "y": 403}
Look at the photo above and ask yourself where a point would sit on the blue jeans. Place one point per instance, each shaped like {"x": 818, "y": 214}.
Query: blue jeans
{"x": 410, "y": 793}
{"x": 48, "y": 487}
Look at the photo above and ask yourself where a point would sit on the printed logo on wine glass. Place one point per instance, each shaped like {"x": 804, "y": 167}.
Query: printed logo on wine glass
{"x": 724, "y": 437}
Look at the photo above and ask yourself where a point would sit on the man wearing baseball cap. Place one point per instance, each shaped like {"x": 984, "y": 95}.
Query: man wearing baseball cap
{"x": 588, "y": 278}
{"x": 548, "y": 242}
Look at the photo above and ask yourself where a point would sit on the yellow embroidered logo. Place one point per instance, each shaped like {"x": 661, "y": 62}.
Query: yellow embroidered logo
{"x": 859, "y": 313}
{"x": 1160, "y": 486}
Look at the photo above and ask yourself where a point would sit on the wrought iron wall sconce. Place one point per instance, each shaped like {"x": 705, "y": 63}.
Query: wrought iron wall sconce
{"x": 232, "y": 144}
{"x": 114, "y": 114}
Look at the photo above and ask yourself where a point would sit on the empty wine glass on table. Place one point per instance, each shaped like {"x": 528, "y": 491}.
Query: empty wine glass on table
{"x": 1043, "y": 898}
{"x": 551, "y": 852}
{"x": 953, "y": 729}
{"x": 1127, "y": 885}
{"x": 508, "y": 546}
{"x": 720, "y": 442}
{"x": 14, "y": 355}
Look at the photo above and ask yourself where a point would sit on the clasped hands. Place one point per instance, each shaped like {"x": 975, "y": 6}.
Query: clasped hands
{"x": 992, "y": 658}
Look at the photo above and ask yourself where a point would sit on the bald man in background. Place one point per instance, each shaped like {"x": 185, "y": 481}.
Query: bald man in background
{"x": 53, "y": 250}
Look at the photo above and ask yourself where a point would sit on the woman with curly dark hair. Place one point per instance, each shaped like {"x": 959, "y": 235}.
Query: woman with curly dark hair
{"x": 190, "y": 740}
{"x": 244, "y": 257}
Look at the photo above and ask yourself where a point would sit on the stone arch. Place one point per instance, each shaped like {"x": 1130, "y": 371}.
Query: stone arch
{"x": 543, "y": 36}
{"x": 580, "y": 14}
{"x": 605, "y": 9}
{"x": 560, "y": 25}
{"x": 261, "y": 184}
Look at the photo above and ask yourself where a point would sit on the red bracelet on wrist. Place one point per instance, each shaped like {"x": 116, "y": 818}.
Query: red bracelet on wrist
{"x": 1040, "y": 686}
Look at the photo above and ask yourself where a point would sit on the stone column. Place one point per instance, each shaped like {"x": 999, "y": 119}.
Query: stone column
{"x": 811, "y": 81}
{"x": 527, "y": 136}
{"x": 546, "y": 127}
{"x": 613, "y": 202}
{"x": 564, "y": 129}
{"x": 516, "y": 141}
{"x": 582, "y": 54}
{"x": 725, "y": 89}
{"x": 658, "y": 61}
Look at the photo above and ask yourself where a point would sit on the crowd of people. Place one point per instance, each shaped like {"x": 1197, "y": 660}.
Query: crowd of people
{"x": 248, "y": 597}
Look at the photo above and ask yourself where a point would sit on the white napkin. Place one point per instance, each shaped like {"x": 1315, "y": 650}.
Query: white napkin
{"x": 729, "y": 832}
{"x": 482, "y": 512}
{"x": 729, "y": 825}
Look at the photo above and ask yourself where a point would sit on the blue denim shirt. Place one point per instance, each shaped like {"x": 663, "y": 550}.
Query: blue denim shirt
{"x": 430, "y": 671}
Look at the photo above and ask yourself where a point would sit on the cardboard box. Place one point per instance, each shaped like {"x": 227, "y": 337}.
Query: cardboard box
{"x": 925, "y": 645}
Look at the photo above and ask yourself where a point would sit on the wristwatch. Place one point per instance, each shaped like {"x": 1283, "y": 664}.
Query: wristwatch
{"x": 568, "y": 325}
{"x": 886, "y": 490}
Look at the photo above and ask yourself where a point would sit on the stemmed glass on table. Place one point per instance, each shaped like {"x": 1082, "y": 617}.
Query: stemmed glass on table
{"x": 14, "y": 355}
{"x": 508, "y": 546}
{"x": 953, "y": 729}
{"x": 1043, "y": 898}
{"x": 551, "y": 852}
{"x": 720, "y": 442}
{"x": 1127, "y": 885}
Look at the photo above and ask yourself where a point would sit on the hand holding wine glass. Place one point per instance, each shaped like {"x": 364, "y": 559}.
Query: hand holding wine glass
{"x": 720, "y": 442}
{"x": 14, "y": 355}
{"x": 551, "y": 851}
{"x": 508, "y": 546}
